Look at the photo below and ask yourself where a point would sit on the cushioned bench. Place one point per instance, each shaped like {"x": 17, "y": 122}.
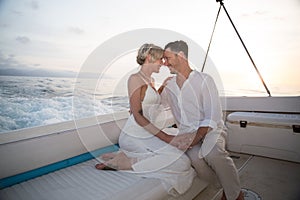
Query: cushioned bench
{"x": 83, "y": 181}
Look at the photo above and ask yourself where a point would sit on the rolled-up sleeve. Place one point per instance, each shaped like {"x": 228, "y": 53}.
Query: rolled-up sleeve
{"x": 211, "y": 104}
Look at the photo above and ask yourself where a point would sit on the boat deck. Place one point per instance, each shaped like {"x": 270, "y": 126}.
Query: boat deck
{"x": 271, "y": 179}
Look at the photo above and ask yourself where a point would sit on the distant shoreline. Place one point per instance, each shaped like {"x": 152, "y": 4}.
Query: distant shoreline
{"x": 37, "y": 73}
{"x": 49, "y": 73}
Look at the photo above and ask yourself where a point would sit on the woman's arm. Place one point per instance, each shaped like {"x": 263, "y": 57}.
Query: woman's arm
{"x": 136, "y": 94}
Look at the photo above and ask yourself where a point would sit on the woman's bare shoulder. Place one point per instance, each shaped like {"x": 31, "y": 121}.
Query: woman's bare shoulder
{"x": 135, "y": 78}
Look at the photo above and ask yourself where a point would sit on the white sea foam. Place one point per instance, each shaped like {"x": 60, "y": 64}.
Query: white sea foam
{"x": 28, "y": 102}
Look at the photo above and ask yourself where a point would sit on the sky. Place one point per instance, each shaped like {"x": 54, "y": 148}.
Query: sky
{"x": 62, "y": 34}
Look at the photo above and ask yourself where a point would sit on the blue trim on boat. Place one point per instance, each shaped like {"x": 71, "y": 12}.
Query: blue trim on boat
{"x": 12, "y": 180}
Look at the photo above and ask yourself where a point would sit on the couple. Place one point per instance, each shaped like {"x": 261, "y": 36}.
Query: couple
{"x": 150, "y": 149}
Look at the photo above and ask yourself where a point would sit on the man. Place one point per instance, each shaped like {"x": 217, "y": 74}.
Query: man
{"x": 194, "y": 101}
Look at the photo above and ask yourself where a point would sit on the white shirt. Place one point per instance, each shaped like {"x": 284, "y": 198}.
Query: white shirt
{"x": 196, "y": 104}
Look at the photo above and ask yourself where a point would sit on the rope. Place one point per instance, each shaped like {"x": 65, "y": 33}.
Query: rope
{"x": 211, "y": 37}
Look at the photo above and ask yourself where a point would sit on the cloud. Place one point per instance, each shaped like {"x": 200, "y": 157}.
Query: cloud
{"x": 10, "y": 62}
{"x": 260, "y": 12}
{"x": 10, "y": 66}
{"x": 34, "y": 5}
{"x": 76, "y": 30}
{"x": 15, "y": 12}
{"x": 4, "y": 25}
{"x": 255, "y": 13}
{"x": 23, "y": 39}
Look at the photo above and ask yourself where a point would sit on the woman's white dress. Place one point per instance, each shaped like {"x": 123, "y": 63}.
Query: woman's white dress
{"x": 156, "y": 158}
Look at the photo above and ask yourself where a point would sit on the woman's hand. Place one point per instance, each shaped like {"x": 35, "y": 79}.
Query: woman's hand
{"x": 161, "y": 88}
{"x": 166, "y": 80}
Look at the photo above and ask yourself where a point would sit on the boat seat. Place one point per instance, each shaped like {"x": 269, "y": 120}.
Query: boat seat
{"x": 83, "y": 181}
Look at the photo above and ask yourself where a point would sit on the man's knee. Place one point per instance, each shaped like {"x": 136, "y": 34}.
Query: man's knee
{"x": 217, "y": 155}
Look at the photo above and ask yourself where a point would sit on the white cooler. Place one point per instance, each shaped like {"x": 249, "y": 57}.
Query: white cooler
{"x": 265, "y": 134}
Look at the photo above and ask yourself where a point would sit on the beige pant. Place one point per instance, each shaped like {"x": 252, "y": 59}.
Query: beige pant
{"x": 216, "y": 167}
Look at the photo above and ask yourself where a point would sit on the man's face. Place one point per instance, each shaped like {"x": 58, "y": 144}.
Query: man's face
{"x": 171, "y": 61}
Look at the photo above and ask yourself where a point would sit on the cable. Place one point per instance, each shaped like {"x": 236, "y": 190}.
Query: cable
{"x": 211, "y": 37}
{"x": 261, "y": 78}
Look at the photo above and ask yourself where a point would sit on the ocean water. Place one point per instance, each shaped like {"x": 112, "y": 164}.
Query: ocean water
{"x": 36, "y": 101}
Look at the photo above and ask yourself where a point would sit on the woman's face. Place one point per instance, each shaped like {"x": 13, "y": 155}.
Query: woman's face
{"x": 157, "y": 64}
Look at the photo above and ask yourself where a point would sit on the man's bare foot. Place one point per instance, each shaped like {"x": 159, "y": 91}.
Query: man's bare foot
{"x": 223, "y": 196}
{"x": 240, "y": 197}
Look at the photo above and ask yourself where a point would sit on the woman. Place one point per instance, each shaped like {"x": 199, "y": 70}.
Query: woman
{"x": 142, "y": 150}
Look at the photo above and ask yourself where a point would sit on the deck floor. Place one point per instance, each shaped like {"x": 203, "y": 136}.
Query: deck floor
{"x": 271, "y": 179}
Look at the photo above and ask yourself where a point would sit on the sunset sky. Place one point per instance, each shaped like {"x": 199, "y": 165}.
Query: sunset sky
{"x": 61, "y": 34}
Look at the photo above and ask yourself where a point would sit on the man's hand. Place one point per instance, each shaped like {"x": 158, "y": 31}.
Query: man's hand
{"x": 183, "y": 141}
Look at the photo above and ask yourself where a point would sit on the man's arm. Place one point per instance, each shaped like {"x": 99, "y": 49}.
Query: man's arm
{"x": 200, "y": 135}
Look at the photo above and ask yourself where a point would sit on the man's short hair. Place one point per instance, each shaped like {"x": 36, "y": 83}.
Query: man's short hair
{"x": 178, "y": 46}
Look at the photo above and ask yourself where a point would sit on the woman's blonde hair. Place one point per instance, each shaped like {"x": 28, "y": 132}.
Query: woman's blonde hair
{"x": 154, "y": 51}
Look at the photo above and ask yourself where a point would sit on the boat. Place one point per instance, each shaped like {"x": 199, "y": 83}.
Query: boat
{"x": 57, "y": 161}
